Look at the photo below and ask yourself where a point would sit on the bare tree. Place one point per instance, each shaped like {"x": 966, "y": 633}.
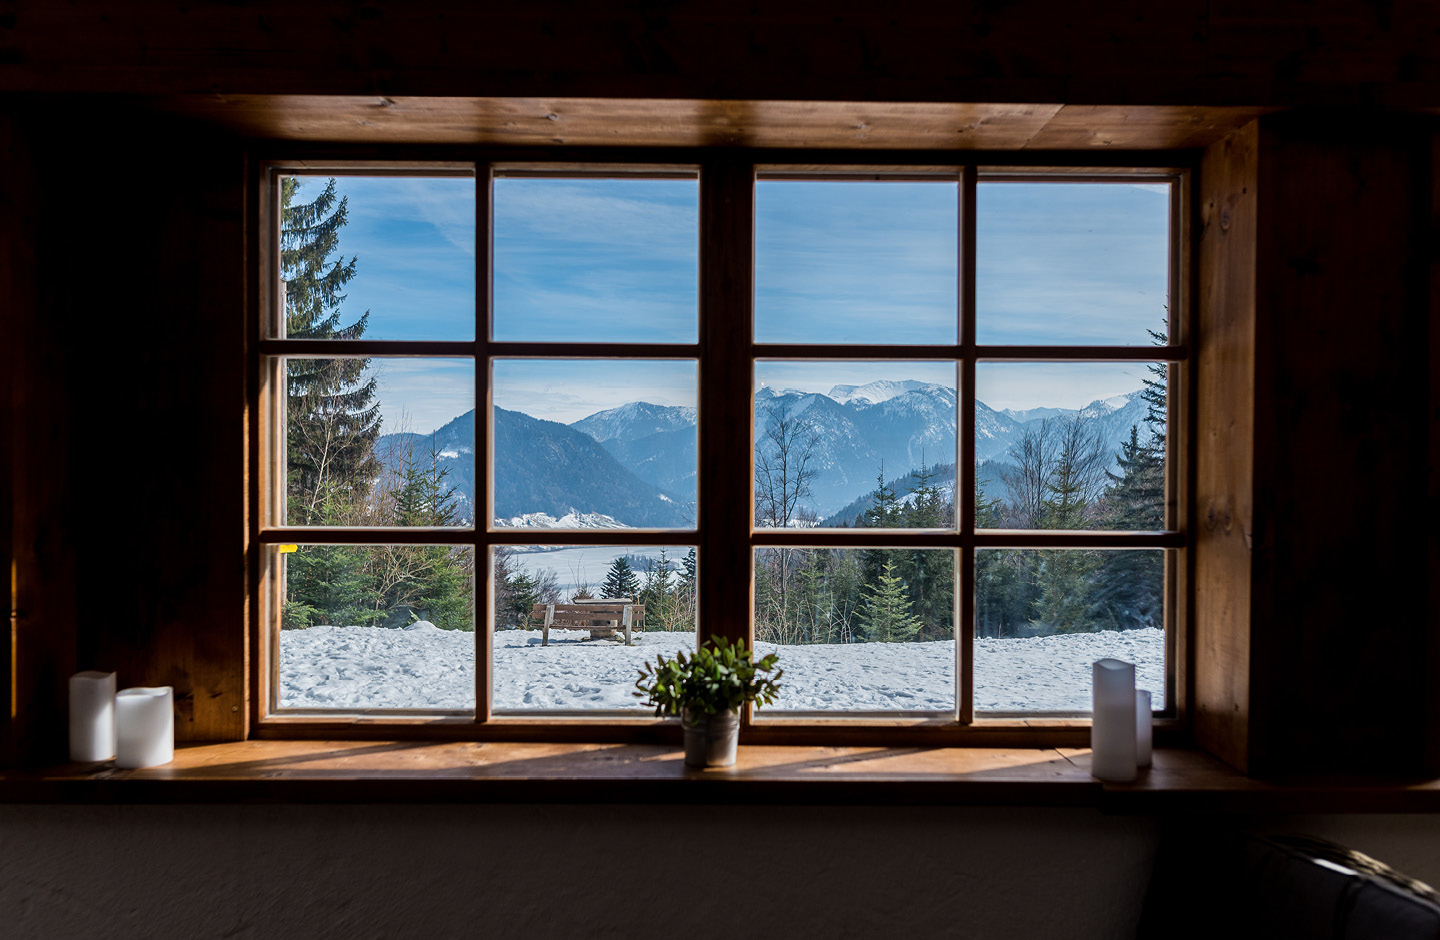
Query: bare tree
{"x": 784, "y": 466}
{"x": 1032, "y": 457}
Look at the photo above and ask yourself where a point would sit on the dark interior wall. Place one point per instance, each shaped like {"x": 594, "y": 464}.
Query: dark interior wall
{"x": 132, "y": 453}
{"x": 1340, "y": 533}
{"x": 1281, "y": 52}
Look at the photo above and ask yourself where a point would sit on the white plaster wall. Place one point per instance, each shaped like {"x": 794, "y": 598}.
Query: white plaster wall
{"x": 569, "y": 872}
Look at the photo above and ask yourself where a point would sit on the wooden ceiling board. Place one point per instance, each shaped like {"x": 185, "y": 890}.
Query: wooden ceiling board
{"x": 639, "y": 122}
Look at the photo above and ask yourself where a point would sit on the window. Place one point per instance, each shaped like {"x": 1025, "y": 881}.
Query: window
{"x": 916, "y": 427}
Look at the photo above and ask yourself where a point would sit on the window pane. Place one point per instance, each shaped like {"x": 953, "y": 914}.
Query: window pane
{"x": 855, "y": 262}
{"x": 377, "y": 626}
{"x": 1071, "y": 263}
{"x": 594, "y": 443}
{"x": 387, "y": 257}
{"x": 380, "y": 441}
{"x": 1070, "y": 445}
{"x": 1042, "y": 617}
{"x": 858, "y": 629}
{"x": 855, "y": 444}
{"x": 582, "y": 661}
{"x": 597, "y": 260}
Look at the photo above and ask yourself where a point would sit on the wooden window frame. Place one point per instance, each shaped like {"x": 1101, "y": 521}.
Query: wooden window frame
{"x": 726, "y": 352}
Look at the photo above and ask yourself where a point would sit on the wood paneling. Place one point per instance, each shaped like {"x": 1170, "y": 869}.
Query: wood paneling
{"x": 130, "y": 459}
{"x": 1313, "y": 563}
{"x": 1134, "y": 51}
{"x": 1340, "y": 625}
{"x": 39, "y": 451}
{"x": 1224, "y": 445}
{"x": 650, "y": 122}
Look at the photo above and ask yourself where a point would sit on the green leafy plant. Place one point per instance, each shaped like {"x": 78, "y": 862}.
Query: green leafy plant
{"x": 719, "y": 677}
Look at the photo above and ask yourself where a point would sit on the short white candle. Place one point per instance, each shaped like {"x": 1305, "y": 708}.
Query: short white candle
{"x": 1144, "y": 728}
{"x": 144, "y": 727}
{"x": 92, "y": 716}
{"x": 1112, "y": 728}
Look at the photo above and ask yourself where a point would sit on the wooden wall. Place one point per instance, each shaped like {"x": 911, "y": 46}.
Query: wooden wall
{"x": 129, "y": 446}
{"x": 1209, "y": 52}
{"x": 1315, "y": 427}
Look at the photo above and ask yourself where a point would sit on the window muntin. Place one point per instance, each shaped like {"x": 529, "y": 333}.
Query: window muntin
{"x": 717, "y": 360}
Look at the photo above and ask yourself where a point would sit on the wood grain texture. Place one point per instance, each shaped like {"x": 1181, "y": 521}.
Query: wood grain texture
{"x": 1184, "y": 52}
{"x": 806, "y": 125}
{"x": 1225, "y": 441}
{"x": 1180, "y": 781}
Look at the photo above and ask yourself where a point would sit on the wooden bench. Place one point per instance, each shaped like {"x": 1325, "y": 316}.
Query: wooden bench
{"x": 597, "y": 616}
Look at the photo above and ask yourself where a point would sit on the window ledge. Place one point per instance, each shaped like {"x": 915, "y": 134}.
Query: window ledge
{"x": 469, "y": 772}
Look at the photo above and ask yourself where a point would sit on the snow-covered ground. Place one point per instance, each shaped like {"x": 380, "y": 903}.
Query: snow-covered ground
{"x": 428, "y": 668}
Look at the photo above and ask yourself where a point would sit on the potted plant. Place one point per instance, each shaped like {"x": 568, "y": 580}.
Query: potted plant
{"x": 706, "y": 689}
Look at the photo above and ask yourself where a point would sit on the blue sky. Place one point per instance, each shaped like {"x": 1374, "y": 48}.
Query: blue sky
{"x": 869, "y": 263}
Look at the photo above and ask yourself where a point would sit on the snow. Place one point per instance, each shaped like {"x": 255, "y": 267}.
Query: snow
{"x": 424, "y": 667}
{"x": 573, "y": 519}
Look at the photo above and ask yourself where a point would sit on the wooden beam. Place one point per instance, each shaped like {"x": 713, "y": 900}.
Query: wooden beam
{"x": 665, "y": 123}
{"x": 1225, "y": 443}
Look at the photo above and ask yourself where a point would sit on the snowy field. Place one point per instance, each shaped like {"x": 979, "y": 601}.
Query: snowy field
{"x": 429, "y": 668}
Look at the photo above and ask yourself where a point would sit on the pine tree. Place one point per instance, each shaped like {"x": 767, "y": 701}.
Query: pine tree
{"x": 620, "y": 580}
{"x": 885, "y": 616}
{"x": 333, "y": 419}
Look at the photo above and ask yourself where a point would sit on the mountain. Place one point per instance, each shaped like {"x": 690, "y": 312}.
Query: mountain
{"x": 635, "y": 465}
{"x": 635, "y": 420}
{"x": 874, "y": 392}
{"x": 547, "y": 467}
{"x": 541, "y": 469}
{"x": 654, "y": 442}
{"x": 454, "y": 446}
{"x": 912, "y": 424}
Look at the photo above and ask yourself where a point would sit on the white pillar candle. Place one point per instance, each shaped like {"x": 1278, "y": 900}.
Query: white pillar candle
{"x": 1112, "y": 728}
{"x": 92, "y": 716}
{"x": 144, "y": 727}
{"x": 1144, "y": 728}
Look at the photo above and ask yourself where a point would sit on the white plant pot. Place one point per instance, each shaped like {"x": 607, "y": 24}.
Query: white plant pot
{"x": 710, "y": 739}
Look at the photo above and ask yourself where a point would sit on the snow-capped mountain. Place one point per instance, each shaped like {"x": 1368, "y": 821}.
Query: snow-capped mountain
{"x": 874, "y": 392}
{"x": 635, "y": 465}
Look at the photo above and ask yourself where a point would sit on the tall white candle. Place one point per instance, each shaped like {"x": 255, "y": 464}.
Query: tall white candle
{"x": 1144, "y": 728}
{"x": 1112, "y": 728}
{"x": 144, "y": 727}
{"x": 92, "y": 716}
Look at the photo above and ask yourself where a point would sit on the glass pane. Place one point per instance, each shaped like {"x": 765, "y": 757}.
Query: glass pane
{"x": 858, "y": 629}
{"x": 594, "y": 443}
{"x": 1071, "y": 263}
{"x": 597, "y": 260}
{"x": 380, "y": 441}
{"x": 381, "y": 257}
{"x": 377, "y": 626}
{"x": 1070, "y": 445}
{"x": 841, "y": 444}
{"x": 855, "y": 262}
{"x": 582, "y": 661}
{"x": 1042, "y": 617}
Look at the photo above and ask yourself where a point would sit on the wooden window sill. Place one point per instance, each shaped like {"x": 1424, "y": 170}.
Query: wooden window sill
{"x": 469, "y": 772}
